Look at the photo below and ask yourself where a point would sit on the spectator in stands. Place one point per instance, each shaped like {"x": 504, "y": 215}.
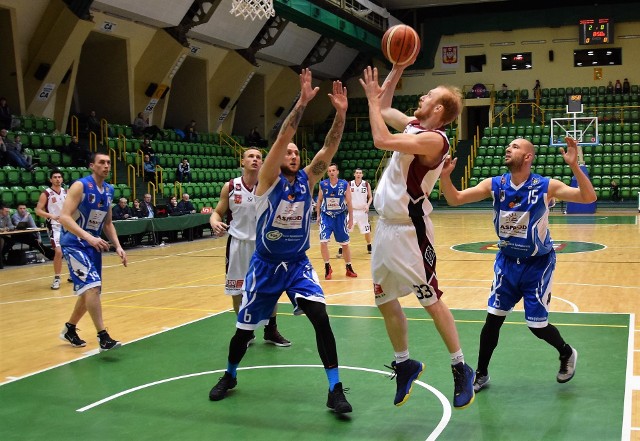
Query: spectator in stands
{"x": 93, "y": 123}
{"x": 615, "y": 191}
{"x": 503, "y": 91}
{"x": 142, "y": 127}
{"x": 17, "y": 145}
{"x": 13, "y": 155}
{"x": 138, "y": 210}
{"x": 172, "y": 208}
{"x": 610, "y": 88}
{"x": 5, "y": 114}
{"x": 122, "y": 211}
{"x": 147, "y": 149}
{"x": 33, "y": 240}
{"x": 190, "y": 133}
{"x": 255, "y": 139}
{"x": 149, "y": 169}
{"x": 185, "y": 206}
{"x": 79, "y": 154}
{"x": 626, "y": 87}
{"x": 6, "y": 224}
{"x": 618, "y": 87}
{"x": 151, "y": 210}
{"x": 4, "y": 158}
{"x": 183, "y": 174}
{"x": 536, "y": 87}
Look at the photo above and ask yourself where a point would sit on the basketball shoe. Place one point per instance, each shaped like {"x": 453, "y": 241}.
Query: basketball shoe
{"x": 567, "y": 367}
{"x": 405, "y": 374}
{"x": 106, "y": 342}
{"x": 225, "y": 383}
{"x": 337, "y": 401}
{"x": 481, "y": 382}
{"x": 350, "y": 272}
{"x": 327, "y": 271}
{"x": 273, "y": 336}
{"x": 69, "y": 333}
{"x": 56, "y": 283}
{"x": 463, "y": 379}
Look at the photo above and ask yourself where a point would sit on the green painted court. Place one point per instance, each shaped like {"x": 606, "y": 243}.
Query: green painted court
{"x": 157, "y": 388}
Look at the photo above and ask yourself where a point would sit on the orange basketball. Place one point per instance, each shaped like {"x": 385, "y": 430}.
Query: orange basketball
{"x": 400, "y": 43}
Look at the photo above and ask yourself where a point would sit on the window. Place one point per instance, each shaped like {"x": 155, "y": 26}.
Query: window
{"x": 517, "y": 61}
{"x": 474, "y": 63}
{"x": 597, "y": 57}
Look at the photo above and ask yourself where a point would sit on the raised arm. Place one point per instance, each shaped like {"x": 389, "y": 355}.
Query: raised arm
{"x": 271, "y": 166}
{"x": 391, "y": 116}
{"x": 320, "y": 162}
{"x": 585, "y": 193}
{"x": 455, "y": 197}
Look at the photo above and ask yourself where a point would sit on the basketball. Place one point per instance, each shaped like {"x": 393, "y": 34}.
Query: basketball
{"x": 400, "y": 43}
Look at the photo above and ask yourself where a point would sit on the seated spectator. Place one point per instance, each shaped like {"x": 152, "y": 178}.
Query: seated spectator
{"x": 5, "y": 114}
{"x": 615, "y": 191}
{"x": 172, "y": 208}
{"x": 185, "y": 206}
{"x": 122, "y": 211}
{"x": 503, "y": 91}
{"x": 146, "y": 203}
{"x": 190, "y": 133}
{"x": 80, "y": 155}
{"x": 6, "y": 224}
{"x": 17, "y": 141}
{"x": 626, "y": 87}
{"x": 139, "y": 211}
{"x": 147, "y": 149}
{"x": 183, "y": 174}
{"x": 618, "y": 87}
{"x": 10, "y": 150}
{"x": 32, "y": 239}
{"x": 141, "y": 127}
{"x": 610, "y": 88}
{"x": 255, "y": 139}
{"x": 149, "y": 170}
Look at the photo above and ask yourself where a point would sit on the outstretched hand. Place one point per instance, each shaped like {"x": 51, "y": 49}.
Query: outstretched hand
{"x": 370, "y": 84}
{"x": 307, "y": 91}
{"x": 339, "y": 97}
{"x": 449, "y": 165}
{"x": 571, "y": 154}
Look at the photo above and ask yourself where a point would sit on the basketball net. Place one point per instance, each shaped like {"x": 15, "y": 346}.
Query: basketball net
{"x": 252, "y": 9}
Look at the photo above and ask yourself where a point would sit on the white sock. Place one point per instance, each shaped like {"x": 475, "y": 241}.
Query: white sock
{"x": 457, "y": 357}
{"x": 401, "y": 356}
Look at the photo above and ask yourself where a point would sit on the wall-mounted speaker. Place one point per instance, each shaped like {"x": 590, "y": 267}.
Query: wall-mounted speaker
{"x": 279, "y": 111}
{"x": 550, "y": 55}
{"x": 225, "y": 101}
{"x": 151, "y": 89}
{"x": 42, "y": 71}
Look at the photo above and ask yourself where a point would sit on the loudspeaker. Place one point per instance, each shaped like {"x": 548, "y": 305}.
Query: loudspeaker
{"x": 151, "y": 89}
{"x": 224, "y": 102}
{"x": 42, "y": 71}
{"x": 550, "y": 55}
{"x": 279, "y": 111}
{"x": 165, "y": 92}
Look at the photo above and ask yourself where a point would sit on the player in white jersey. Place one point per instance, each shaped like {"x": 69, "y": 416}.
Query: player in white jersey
{"x": 361, "y": 198}
{"x": 49, "y": 207}
{"x": 404, "y": 259}
{"x": 238, "y": 203}
{"x": 526, "y": 260}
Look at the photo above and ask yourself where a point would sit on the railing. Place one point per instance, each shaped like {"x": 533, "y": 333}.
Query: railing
{"x": 152, "y": 186}
{"x": 122, "y": 146}
{"x": 176, "y": 187}
{"x": 114, "y": 169}
{"x": 159, "y": 176}
{"x": 93, "y": 143}
{"x": 131, "y": 177}
{"x": 104, "y": 131}
{"x": 74, "y": 126}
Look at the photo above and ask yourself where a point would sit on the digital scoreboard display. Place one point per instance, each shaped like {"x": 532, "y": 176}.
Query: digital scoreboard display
{"x": 596, "y": 31}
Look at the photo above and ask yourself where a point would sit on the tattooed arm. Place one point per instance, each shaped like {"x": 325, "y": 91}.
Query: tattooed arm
{"x": 270, "y": 170}
{"x": 320, "y": 163}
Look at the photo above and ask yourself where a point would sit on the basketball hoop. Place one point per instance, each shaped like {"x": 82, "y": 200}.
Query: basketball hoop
{"x": 252, "y": 9}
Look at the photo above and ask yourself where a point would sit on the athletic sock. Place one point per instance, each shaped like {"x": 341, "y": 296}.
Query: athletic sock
{"x": 401, "y": 356}
{"x": 232, "y": 368}
{"x": 457, "y": 357}
{"x": 333, "y": 376}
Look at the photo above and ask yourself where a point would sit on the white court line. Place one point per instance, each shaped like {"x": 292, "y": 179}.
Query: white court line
{"x": 446, "y": 406}
{"x": 631, "y": 383}
{"x": 573, "y": 305}
{"x": 92, "y": 353}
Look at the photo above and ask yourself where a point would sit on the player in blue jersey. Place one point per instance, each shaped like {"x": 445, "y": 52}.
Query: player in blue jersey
{"x": 526, "y": 259}
{"x": 334, "y": 203}
{"x": 280, "y": 262}
{"x": 86, "y": 213}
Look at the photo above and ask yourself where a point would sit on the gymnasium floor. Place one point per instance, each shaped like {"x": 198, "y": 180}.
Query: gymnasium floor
{"x": 169, "y": 308}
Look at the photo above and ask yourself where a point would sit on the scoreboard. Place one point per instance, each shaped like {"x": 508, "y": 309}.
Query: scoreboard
{"x": 596, "y": 31}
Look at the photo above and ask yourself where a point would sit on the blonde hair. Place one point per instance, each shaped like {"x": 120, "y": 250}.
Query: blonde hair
{"x": 452, "y": 103}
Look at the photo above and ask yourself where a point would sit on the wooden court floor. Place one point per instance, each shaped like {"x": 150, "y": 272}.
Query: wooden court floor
{"x": 165, "y": 287}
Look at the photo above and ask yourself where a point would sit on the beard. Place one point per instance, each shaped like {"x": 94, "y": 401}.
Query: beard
{"x": 514, "y": 164}
{"x": 288, "y": 171}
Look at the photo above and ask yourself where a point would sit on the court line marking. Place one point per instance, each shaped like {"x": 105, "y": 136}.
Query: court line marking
{"x": 629, "y": 384}
{"x": 446, "y": 406}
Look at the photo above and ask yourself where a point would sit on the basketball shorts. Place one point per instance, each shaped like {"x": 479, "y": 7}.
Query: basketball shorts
{"x": 238, "y": 256}
{"x": 529, "y": 279}
{"x": 85, "y": 267}
{"x": 404, "y": 261}
{"x": 54, "y": 235}
{"x": 361, "y": 219}
{"x": 336, "y": 225}
{"x": 265, "y": 283}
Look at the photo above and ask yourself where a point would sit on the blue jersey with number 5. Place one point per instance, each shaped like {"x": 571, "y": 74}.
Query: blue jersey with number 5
{"x": 521, "y": 215}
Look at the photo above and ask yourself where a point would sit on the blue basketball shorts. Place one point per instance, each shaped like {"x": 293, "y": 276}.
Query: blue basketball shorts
{"x": 266, "y": 281}
{"x": 529, "y": 279}
{"x": 85, "y": 267}
{"x": 336, "y": 225}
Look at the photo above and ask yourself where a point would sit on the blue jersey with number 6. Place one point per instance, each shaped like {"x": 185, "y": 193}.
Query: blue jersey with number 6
{"x": 521, "y": 215}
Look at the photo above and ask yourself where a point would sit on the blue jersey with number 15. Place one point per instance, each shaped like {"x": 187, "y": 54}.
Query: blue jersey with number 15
{"x": 521, "y": 215}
